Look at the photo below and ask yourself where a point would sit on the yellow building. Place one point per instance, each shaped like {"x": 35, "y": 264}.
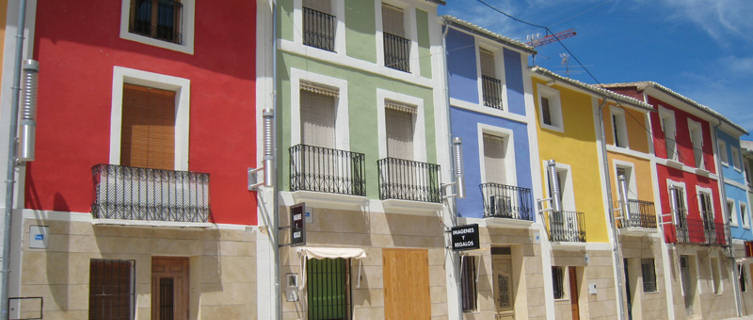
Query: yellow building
{"x": 577, "y": 203}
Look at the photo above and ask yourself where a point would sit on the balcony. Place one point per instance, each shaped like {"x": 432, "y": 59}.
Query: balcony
{"x": 492, "y": 91}
{"x": 129, "y": 193}
{"x": 714, "y": 233}
{"x": 396, "y": 52}
{"x": 319, "y": 29}
{"x": 566, "y": 226}
{"x": 641, "y": 214}
{"x": 503, "y": 201}
{"x": 408, "y": 180}
{"x": 327, "y": 170}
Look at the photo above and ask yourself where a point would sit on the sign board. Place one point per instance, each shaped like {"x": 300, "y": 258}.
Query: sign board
{"x": 297, "y": 225}
{"x": 465, "y": 237}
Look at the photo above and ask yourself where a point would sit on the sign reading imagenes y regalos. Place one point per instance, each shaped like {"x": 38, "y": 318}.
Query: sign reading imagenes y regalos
{"x": 465, "y": 237}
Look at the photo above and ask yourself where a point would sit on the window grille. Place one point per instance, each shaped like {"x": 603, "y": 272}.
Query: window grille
{"x": 468, "y": 279}
{"x": 649, "y": 275}
{"x": 557, "y": 282}
{"x": 328, "y": 282}
{"x": 159, "y": 19}
{"x": 111, "y": 289}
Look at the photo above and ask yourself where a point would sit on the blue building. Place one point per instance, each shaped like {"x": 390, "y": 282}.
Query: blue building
{"x": 734, "y": 189}
{"x": 491, "y": 109}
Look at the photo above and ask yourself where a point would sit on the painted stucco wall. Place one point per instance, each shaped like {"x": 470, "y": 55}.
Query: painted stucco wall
{"x": 461, "y": 66}
{"x": 465, "y": 124}
{"x": 642, "y": 172}
{"x": 576, "y": 147}
{"x": 728, "y": 169}
{"x": 75, "y": 92}
{"x": 636, "y": 128}
{"x": 360, "y": 35}
{"x": 514, "y": 82}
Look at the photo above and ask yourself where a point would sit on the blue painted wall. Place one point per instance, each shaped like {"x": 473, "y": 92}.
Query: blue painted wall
{"x": 732, "y": 191}
{"x": 514, "y": 81}
{"x": 461, "y": 66}
{"x": 465, "y": 125}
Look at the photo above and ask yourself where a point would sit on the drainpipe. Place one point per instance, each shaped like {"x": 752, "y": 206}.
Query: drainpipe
{"x": 723, "y": 189}
{"x": 454, "y": 257}
{"x": 12, "y": 146}
{"x": 616, "y": 253}
{"x": 275, "y": 228}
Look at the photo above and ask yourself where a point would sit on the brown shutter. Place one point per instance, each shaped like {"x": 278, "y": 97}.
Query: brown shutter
{"x": 148, "y": 129}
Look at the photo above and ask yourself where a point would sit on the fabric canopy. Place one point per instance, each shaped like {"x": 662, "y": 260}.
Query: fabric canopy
{"x": 744, "y": 261}
{"x": 332, "y": 253}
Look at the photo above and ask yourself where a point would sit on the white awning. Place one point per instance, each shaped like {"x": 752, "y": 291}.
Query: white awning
{"x": 332, "y": 253}
{"x": 744, "y": 261}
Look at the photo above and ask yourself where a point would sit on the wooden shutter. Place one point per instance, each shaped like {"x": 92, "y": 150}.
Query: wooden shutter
{"x": 111, "y": 289}
{"x": 392, "y": 20}
{"x": 317, "y": 118}
{"x": 328, "y": 288}
{"x": 406, "y": 284}
{"x": 494, "y": 159}
{"x": 399, "y": 126}
{"x": 487, "y": 63}
{"x": 148, "y": 128}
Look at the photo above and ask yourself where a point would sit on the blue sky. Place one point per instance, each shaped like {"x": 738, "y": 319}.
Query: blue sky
{"x": 702, "y": 49}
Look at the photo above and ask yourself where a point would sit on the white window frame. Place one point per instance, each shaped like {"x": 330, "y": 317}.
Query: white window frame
{"x": 692, "y": 124}
{"x": 733, "y": 221}
{"x": 723, "y": 155}
{"x": 698, "y": 191}
{"x": 411, "y": 33}
{"x": 746, "y": 212}
{"x": 499, "y": 70}
{"x": 568, "y": 195}
{"x": 186, "y": 29}
{"x": 632, "y": 185}
{"x": 681, "y": 185}
{"x": 507, "y": 134}
{"x": 555, "y": 108}
{"x": 182, "y": 88}
{"x": 620, "y": 113}
{"x": 419, "y": 129}
{"x": 338, "y": 10}
{"x": 665, "y": 113}
{"x": 342, "y": 129}
{"x": 736, "y": 162}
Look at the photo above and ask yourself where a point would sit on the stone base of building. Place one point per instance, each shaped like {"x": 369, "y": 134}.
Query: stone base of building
{"x": 214, "y": 267}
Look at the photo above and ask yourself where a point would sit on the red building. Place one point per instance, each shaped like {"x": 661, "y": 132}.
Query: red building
{"x": 146, "y": 128}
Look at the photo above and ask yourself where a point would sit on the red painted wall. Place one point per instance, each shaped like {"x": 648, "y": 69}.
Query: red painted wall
{"x": 77, "y": 44}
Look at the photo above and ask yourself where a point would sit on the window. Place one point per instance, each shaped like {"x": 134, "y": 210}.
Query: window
{"x": 744, "y": 215}
{"x": 163, "y": 23}
{"x": 667, "y": 119}
{"x": 111, "y": 289}
{"x": 625, "y": 169}
{"x": 619, "y": 127}
{"x": 566, "y": 196}
{"x": 696, "y": 138}
{"x": 716, "y": 281}
{"x": 491, "y": 85}
{"x": 319, "y": 24}
{"x": 318, "y": 104}
{"x": 649, "y": 275}
{"x": 743, "y": 279}
{"x": 494, "y": 158}
{"x": 400, "y": 130}
{"x": 678, "y": 193}
{"x": 550, "y": 108}
{"x": 732, "y": 212}
{"x": 558, "y": 282}
{"x": 723, "y": 157}
{"x": 707, "y": 212}
{"x": 396, "y": 44}
{"x": 328, "y": 282}
{"x": 468, "y": 278}
{"x": 735, "y": 157}
{"x": 148, "y": 128}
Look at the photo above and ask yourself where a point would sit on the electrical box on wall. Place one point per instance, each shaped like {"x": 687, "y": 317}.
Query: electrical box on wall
{"x": 38, "y": 237}
{"x": 291, "y": 290}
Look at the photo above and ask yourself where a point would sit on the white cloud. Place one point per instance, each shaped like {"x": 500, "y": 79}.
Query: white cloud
{"x": 720, "y": 19}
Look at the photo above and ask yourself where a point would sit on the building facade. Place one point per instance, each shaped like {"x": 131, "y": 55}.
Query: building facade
{"x": 491, "y": 110}
{"x": 359, "y": 93}
{"x": 136, "y": 204}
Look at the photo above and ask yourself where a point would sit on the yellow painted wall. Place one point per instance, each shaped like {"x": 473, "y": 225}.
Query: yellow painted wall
{"x": 642, "y": 173}
{"x": 636, "y": 126}
{"x": 576, "y": 147}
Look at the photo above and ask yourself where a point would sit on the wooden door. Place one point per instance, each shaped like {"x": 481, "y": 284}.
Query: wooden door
{"x": 169, "y": 288}
{"x": 574, "y": 293}
{"x": 504, "y": 296}
{"x": 406, "y": 284}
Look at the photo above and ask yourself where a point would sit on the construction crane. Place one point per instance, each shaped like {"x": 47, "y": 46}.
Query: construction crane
{"x": 537, "y": 40}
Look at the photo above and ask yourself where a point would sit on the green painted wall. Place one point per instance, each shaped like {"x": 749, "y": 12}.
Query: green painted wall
{"x": 362, "y": 107}
{"x": 285, "y": 19}
{"x": 360, "y": 37}
{"x": 424, "y": 54}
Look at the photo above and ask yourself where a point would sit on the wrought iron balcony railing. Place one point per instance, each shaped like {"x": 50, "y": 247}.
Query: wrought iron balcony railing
{"x": 492, "y": 91}
{"x": 641, "y": 214}
{"x": 408, "y": 180}
{"x": 130, "y": 193}
{"x": 327, "y": 170}
{"x": 568, "y": 226}
{"x": 396, "y": 52}
{"x": 714, "y": 232}
{"x": 682, "y": 234}
{"x": 503, "y": 201}
{"x": 319, "y": 29}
